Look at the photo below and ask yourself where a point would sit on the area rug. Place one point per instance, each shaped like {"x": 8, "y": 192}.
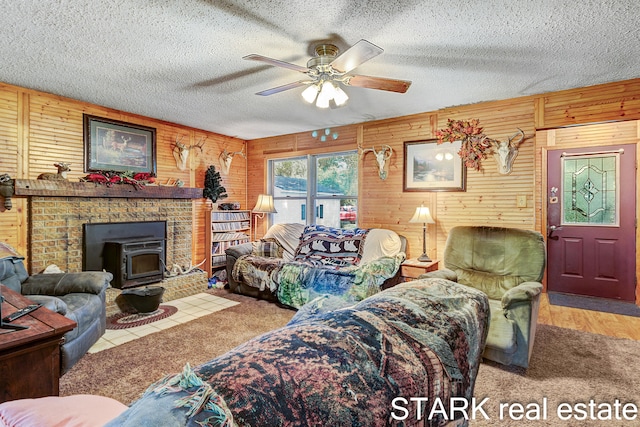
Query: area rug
{"x": 594, "y": 304}
{"x": 567, "y": 366}
{"x": 130, "y": 320}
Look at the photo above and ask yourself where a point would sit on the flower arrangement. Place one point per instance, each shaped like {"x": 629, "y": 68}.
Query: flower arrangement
{"x": 474, "y": 142}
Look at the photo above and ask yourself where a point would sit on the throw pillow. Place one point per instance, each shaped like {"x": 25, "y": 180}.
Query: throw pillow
{"x": 267, "y": 248}
{"x": 55, "y": 411}
{"x": 330, "y": 246}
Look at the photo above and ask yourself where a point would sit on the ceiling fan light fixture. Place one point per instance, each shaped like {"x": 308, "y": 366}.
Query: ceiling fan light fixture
{"x": 340, "y": 97}
{"x": 310, "y": 93}
{"x": 325, "y": 95}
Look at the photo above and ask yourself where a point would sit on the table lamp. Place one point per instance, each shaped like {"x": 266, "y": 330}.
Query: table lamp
{"x": 424, "y": 216}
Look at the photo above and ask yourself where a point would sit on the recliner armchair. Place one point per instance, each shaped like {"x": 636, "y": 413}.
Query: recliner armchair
{"x": 78, "y": 296}
{"x": 507, "y": 264}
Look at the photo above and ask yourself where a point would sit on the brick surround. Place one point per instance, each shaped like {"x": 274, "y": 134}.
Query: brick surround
{"x": 55, "y": 225}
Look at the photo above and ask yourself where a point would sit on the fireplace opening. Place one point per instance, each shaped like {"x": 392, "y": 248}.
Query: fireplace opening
{"x": 134, "y": 252}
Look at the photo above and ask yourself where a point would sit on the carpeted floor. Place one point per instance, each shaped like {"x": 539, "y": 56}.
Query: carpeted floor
{"x": 567, "y": 366}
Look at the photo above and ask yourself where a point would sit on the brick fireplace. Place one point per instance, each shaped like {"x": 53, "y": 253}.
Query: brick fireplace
{"x": 56, "y": 233}
{"x": 56, "y": 226}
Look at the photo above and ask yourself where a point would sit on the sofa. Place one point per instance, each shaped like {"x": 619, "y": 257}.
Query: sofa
{"x": 78, "y": 296}
{"x": 294, "y": 263}
{"x": 507, "y": 264}
{"x": 334, "y": 364}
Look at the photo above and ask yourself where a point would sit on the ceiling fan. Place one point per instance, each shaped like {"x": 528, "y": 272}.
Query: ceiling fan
{"x": 327, "y": 69}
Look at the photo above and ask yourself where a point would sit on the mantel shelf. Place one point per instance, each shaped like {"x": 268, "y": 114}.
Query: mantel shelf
{"x": 39, "y": 187}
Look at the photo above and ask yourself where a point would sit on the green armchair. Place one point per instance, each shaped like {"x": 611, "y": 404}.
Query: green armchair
{"x": 507, "y": 264}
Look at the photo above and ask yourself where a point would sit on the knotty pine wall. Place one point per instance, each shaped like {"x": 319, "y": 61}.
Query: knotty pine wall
{"x": 490, "y": 198}
{"x": 38, "y": 129}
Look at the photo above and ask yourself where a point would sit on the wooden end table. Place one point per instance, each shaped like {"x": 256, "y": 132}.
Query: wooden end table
{"x": 30, "y": 358}
{"x": 412, "y": 268}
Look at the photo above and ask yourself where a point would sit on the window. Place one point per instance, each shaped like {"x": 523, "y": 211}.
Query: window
{"x": 333, "y": 195}
{"x": 590, "y": 188}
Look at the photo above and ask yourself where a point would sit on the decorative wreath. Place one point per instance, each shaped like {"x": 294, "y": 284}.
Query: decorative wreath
{"x": 474, "y": 142}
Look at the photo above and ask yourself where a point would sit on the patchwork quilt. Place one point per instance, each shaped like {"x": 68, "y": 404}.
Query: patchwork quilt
{"x": 300, "y": 282}
{"x": 297, "y": 283}
{"x": 335, "y": 365}
{"x": 327, "y": 262}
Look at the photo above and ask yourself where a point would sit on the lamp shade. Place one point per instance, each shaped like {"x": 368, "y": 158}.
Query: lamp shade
{"x": 310, "y": 93}
{"x": 264, "y": 204}
{"x": 422, "y": 215}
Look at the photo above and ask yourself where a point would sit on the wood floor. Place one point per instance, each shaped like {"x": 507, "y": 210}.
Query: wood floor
{"x": 596, "y": 322}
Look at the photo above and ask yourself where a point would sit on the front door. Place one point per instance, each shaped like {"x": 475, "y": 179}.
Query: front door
{"x": 591, "y": 199}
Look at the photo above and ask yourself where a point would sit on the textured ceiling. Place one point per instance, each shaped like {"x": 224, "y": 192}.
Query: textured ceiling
{"x": 181, "y": 61}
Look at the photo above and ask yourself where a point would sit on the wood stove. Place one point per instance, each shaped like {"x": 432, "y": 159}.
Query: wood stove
{"x": 134, "y": 252}
{"x": 135, "y": 261}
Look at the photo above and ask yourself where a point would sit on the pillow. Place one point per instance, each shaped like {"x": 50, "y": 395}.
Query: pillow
{"x": 82, "y": 410}
{"x": 267, "y": 248}
{"x": 288, "y": 236}
{"x": 330, "y": 246}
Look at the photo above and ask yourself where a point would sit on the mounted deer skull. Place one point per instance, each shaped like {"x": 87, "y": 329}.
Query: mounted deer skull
{"x": 181, "y": 151}
{"x": 226, "y": 158}
{"x": 382, "y": 156}
{"x": 505, "y": 152}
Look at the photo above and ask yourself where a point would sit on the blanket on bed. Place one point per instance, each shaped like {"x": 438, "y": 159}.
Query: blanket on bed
{"x": 342, "y": 367}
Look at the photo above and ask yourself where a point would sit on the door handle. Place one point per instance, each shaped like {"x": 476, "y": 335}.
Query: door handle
{"x": 551, "y": 229}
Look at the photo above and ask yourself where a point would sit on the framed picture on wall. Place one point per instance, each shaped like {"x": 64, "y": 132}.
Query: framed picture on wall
{"x": 429, "y": 166}
{"x": 112, "y": 145}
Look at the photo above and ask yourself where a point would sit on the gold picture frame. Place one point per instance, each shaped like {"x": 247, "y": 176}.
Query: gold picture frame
{"x": 429, "y": 166}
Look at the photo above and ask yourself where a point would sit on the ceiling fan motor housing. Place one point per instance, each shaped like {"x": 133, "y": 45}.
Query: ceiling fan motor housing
{"x": 326, "y": 54}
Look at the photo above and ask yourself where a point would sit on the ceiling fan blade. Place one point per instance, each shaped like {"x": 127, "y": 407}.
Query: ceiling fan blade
{"x": 284, "y": 87}
{"x": 380, "y": 83}
{"x": 276, "y": 63}
{"x": 357, "y": 54}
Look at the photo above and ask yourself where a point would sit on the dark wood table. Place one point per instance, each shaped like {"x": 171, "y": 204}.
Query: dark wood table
{"x": 30, "y": 358}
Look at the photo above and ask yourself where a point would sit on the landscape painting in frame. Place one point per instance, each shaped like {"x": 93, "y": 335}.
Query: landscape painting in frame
{"x": 112, "y": 145}
{"x": 429, "y": 166}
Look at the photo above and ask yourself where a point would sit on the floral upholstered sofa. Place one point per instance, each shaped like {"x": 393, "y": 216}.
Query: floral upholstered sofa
{"x": 294, "y": 263}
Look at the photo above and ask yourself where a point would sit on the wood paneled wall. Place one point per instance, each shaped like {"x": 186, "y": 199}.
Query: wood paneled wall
{"x": 490, "y": 198}
{"x": 38, "y": 129}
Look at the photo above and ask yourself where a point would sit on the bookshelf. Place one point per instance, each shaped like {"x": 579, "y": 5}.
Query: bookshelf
{"x": 225, "y": 229}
